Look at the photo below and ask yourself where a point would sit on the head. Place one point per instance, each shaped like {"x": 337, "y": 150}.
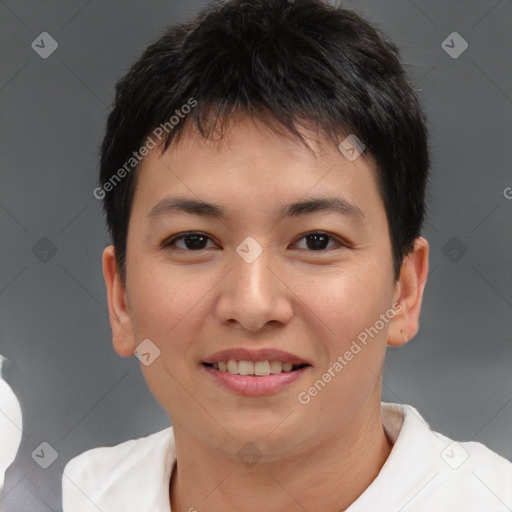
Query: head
{"x": 241, "y": 112}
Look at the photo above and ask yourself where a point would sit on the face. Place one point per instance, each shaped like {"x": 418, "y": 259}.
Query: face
{"x": 254, "y": 279}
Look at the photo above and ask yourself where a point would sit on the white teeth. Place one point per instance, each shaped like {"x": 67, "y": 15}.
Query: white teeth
{"x": 258, "y": 368}
{"x": 233, "y": 366}
{"x": 245, "y": 368}
{"x": 287, "y": 367}
{"x": 262, "y": 368}
{"x": 276, "y": 367}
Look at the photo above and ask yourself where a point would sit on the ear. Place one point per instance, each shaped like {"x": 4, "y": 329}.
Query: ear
{"x": 120, "y": 318}
{"x": 413, "y": 277}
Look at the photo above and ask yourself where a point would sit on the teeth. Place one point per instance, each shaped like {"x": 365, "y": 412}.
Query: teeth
{"x": 258, "y": 368}
{"x": 262, "y": 368}
{"x": 245, "y": 368}
{"x": 287, "y": 367}
{"x": 232, "y": 367}
{"x": 276, "y": 367}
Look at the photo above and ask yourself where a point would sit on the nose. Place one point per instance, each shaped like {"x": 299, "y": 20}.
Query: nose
{"x": 254, "y": 295}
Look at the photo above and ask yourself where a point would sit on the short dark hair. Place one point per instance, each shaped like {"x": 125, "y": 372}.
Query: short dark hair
{"x": 301, "y": 61}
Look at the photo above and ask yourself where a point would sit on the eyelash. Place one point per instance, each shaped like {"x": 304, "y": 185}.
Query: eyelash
{"x": 169, "y": 244}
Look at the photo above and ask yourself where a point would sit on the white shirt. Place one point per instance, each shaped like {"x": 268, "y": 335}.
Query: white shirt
{"x": 425, "y": 472}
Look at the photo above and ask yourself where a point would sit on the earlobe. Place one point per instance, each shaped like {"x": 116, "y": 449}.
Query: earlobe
{"x": 413, "y": 278}
{"x": 120, "y": 318}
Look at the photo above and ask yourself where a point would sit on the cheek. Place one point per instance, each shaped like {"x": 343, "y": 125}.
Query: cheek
{"x": 167, "y": 310}
{"x": 170, "y": 307}
{"x": 340, "y": 310}
{"x": 345, "y": 303}
{"x": 163, "y": 312}
{"x": 162, "y": 297}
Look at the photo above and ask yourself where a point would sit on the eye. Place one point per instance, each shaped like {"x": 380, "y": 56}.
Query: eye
{"x": 193, "y": 241}
{"x": 317, "y": 241}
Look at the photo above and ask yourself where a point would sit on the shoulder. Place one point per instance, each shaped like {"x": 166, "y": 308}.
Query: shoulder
{"x": 478, "y": 472}
{"x": 464, "y": 473}
{"x": 97, "y": 477}
{"x": 121, "y": 457}
{"x": 428, "y": 471}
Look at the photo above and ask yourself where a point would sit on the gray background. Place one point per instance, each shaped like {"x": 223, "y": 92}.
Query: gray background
{"x": 76, "y": 393}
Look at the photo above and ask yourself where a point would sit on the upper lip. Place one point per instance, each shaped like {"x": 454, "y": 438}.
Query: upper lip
{"x": 264, "y": 354}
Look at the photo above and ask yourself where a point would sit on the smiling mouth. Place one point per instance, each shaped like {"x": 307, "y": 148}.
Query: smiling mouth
{"x": 254, "y": 369}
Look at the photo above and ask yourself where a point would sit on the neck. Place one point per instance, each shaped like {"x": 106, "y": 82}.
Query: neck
{"x": 339, "y": 470}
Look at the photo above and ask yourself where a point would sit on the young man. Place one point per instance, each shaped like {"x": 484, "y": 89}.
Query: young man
{"x": 263, "y": 175}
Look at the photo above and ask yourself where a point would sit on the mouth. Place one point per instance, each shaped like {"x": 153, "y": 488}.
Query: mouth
{"x": 254, "y": 368}
{"x": 256, "y": 378}
{"x": 255, "y": 372}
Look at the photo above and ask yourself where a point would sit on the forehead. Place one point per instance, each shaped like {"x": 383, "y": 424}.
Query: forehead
{"x": 250, "y": 165}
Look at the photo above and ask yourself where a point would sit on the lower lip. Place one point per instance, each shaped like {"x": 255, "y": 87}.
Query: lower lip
{"x": 255, "y": 386}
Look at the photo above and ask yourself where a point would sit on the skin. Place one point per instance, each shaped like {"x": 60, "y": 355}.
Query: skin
{"x": 294, "y": 297}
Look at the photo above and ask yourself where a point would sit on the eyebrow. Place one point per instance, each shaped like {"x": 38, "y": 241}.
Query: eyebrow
{"x": 176, "y": 205}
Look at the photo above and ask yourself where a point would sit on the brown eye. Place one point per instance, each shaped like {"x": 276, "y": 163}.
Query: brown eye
{"x": 318, "y": 241}
{"x": 192, "y": 241}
